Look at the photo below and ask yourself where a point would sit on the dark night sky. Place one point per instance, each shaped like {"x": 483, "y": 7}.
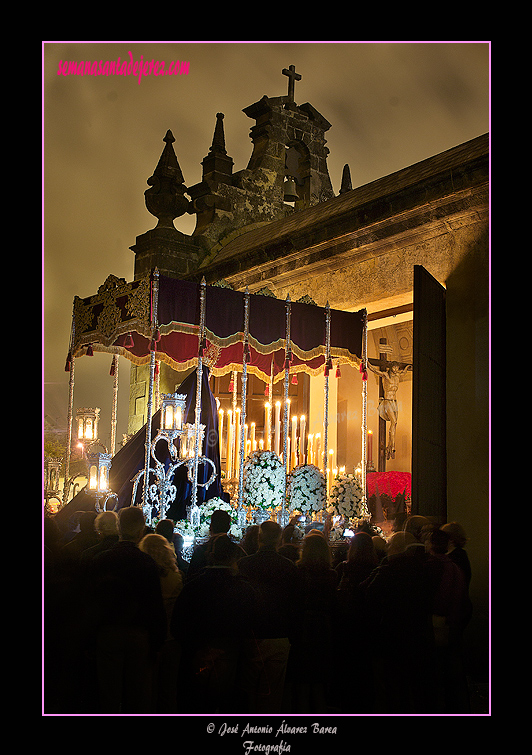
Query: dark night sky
{"x": 391, "y": 104}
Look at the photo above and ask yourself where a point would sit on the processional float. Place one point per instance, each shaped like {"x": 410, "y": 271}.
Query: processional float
{"x": 184, "y": 323}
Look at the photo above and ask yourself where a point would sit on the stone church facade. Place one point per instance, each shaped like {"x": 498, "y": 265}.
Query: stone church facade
{"x": 277, "y": 225}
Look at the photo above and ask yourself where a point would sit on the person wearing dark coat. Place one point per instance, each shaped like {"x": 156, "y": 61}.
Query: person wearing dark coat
{"x": 70, "y": 553}
{"x": 129, "y": 617}
{"x": 276, "y": 580}
{"x": 306, "y": 682}
{"x": 213, "y": 618}
{"x": 220, "y": 525}
{"x": 398, "y": 599}
{"x": 457, "y": 551}
{"x": 106, "y": 525}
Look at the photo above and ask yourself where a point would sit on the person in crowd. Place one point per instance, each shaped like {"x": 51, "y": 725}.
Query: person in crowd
{"x": 250, "y": 541}
{"x": 306, "y": 683}
{"x": 212, "y": 619}
{"x": 415, "y": 525}
{"x": 457, "y": 551}
{"x": 289, "y": 547}
{"x": 399, "y": 598}
{"x": 161, "y": 550}
{"x": 276, "y": 580}
{"x": 379, "y": 543}
{"x": 86, "y": 537}
{"x": 361, "y": 560}
{"x": 220, "y": 524}
{"x": 179, "y": 545}
{"x": 170, "y": 577}
{"x": 106, "y": 526}
{"x": 130, "y": 624}
{"x": 397, "y": 543}
{"x": 352, "y": 625}
{"x": 165, "y": 527}
{"x": 451, "y": 612}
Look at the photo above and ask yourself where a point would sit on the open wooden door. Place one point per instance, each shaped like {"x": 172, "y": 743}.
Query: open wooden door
{"x": 429, "y": 457}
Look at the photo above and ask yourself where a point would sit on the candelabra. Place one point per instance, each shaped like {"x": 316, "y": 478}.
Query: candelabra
{"x": 162, "y": 492}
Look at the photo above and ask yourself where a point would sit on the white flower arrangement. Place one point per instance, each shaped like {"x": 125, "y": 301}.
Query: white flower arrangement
{"x": 207, "y": 508}
{"x": 263, "y": 480}
{"x": 347, "y": 498}
{"x": 237, "y": 532}
{"x": 185, "y": 528}
{"x": 307, "y": 489}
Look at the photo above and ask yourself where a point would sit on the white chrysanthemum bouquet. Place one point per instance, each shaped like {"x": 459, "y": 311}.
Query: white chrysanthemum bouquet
{"x": 263, "y": 480}
{"x": 307, "y": 490}
{"x": 347, "y": 498}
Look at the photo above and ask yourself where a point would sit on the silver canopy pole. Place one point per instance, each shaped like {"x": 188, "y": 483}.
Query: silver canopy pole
{"x": 149, "y": 406}
{"x": 199, "y": 384}
{"x": 245, "y": 359}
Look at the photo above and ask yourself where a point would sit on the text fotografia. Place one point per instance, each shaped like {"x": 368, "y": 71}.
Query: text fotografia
{"x": 125, "y": 67}
{"x": 250, "y": 746}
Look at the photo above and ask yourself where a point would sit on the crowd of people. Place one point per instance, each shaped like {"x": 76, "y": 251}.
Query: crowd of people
{"x": 280, "y": 622}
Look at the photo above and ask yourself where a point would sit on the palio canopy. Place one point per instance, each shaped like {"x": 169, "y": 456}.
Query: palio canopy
{"x": 118, "y": 319}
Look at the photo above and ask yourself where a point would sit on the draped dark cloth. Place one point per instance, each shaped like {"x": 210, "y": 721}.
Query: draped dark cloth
{"x": 130, "y": 458}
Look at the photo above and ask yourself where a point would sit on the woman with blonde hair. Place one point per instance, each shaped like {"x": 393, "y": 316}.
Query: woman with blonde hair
{"x": 165, "y": 687}
{"x": 163, "y": 554}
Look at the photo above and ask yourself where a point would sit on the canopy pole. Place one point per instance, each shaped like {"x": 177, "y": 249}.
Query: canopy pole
{"x": 287, "y": 360}
{"x": 270, "y": 413}
{"x": 328, "y": 367}
{"x": 364, "y": 403}
{"x": 149, "y": 407}
{"x": 243, "y": 399}
{"x": 114, "y": 411}
{"x": 70, "y": 413}
{"x": 199, "y": 385}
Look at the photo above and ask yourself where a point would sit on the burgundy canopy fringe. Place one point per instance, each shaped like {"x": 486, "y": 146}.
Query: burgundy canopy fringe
{"x": 118, "y": 320}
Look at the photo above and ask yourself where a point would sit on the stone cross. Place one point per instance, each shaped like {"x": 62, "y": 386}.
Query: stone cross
{"x": 292, "y": 78}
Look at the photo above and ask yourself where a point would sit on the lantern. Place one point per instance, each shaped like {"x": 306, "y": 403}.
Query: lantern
{"x": 87, "y": 422}
{"x": 99, "y": 466}
{"x": 172, "y": 412}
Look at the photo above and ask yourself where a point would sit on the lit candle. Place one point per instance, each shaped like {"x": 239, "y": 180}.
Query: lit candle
{"x": 169, "y": 417}
{"x": 302, "y": 422}
{"x": 318, "y": 461}
{"x": 277, "y": 427}
{"x": 237, "y": 441}
{"x": 310, "y": 449}
{"x": 93, "y": 477}
{"x": 221, "y": 430}
{"x": 267, "y": 425}
{"x": 294, "y": 442}
{"x": 370, "y": 447}
{"x": 230, "y": 442}
{"x": 329, "y": 470}
{"x": 261, "y": 444}
{"x": 252, "y": 437}
{"x": 103, "y": 478}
